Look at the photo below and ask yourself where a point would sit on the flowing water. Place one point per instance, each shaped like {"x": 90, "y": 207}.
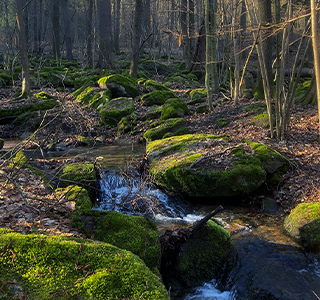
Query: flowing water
{"x": 258, "y": 237}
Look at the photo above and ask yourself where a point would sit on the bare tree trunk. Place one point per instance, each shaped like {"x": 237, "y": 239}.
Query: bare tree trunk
{"x": 236, "y": 55}
{"x": 184, "y": 31}
{"x": 136, "y": 39}
{"x": 40, "y": 29}
{"x": 89, "y": 34}
{"x": 23, "y": 49}
{"x": 315, "y": 54}
{"x": 212, "y": 81}
{"x": 66, "y": 21}
{"x": 56, "y": 29}
{"x": 104, "y": 13}
{"x": 117, "y": 26}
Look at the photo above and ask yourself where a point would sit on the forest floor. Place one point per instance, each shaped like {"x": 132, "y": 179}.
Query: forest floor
{"x": 44, "y": 214}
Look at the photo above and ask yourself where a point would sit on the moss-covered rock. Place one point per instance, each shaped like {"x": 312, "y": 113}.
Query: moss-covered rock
{"x": 77, "y": 195}
{"x": 133, "y": 233}
{"x": 78, "y": 173}
{"x": 43, "y": 267}
{"x": 124, "y": 126}
{"x": 5, "y": 79}
{"x": 163, "y": 127}
{"x": 111, "y": 113}
{"x": 202, "y": 255}
{"x": 303, "y": 223}
{"x": 1, "y": 143}
{"x": 243, "y": 171}
{"x": 20, "y": 160}
{"x": 120, "y": 86}
{"x": 154, "y": 112}
{"x": 198, "y": 94}
{"x": 222, "y": 122}
{"x": 157, "y": 97}
{"x": 42, "y": 105}
{"x": 174, "y": 108}
{"x": 152, "y": 85}
{"x": 261, "y": 120}
{"x": 202, "y": 108}
{"x": 94, "y": 97}
{"x": 44, "y": 95}
{"x": 85, "y": 141}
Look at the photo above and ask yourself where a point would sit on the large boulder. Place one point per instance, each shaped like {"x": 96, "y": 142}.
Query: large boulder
{"x": 212, "y": 165}
{"x": 120, "y": 86}
{"x": 111, "y": 113}
{"x": 303, "y": 223}
{"x": 157, "y": 97}
{"x": 174, "y": 108}
{"x": 133, "y": 233}
{"x": 201, "y": 257}
{"x": 152, "y": 85}
{"x": 42, "y": 267}
{"x": 166, "y": 128}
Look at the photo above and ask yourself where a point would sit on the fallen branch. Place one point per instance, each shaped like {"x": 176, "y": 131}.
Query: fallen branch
{"x": 213, "y": 155}
{"x": 206, "y": 218}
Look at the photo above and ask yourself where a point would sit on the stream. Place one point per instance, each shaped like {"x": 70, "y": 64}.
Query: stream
{"x": 269, "y": 265}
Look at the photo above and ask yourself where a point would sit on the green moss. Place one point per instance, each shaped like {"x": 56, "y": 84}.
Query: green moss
{"x": 111, "y": 113}
{"x": 152, "y": 85}
{"x": 303, "y": 223}
{"x": 203, "y": 255}
{"x": 42, "y": 105}
{"x": 259, "y": 107}
{"x": 124, "y": 126}
{"x": 203, "y": 108}
{"x": 302, "y": 88}
{"x": 120, "y": 86}
{"x": 170, "y": 125}
{"x": 136, "y": 234}
{"x": 153, "y": 113}
{"x": 174, "y": 108}
{"x": 157, "y": 97}
{"x": 85, "y": 140}
{"x": 5, "y": 79}
{"x": 21, "y": 160}
{"x": 44, "y": 95}
{"x": 73, "y": 268}
{"x": 78, "y": 195}
{"x": 222, "y": 122}
{"x": 198, "y": 93}
{"x": 170, "y": 164}
{"x": 80, "y": 173}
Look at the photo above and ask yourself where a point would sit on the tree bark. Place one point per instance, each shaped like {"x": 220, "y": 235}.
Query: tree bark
{"x": 136, "y": 38}
{"x": 56, "y": 29}
{"x": 212, "y": 80}
{"x": 23, "y": 49}
{"x": 66, "y": 21}
{"x": 117, "y": 26}
{"x": 89, "y": 34}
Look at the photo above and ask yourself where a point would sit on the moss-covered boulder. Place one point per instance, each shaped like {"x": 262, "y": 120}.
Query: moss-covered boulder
{"x": 174, "y": 108}
{"x": 166, "y": 128}
{"x": 133, "y": 233}
{"x": 78, "y": 197}
{"x": 85, "y": 141}
{"x": 111, "y": 113}
{"x": 124, "y": 126}
{"x": 157, "y": 97}
{"x": 185, "y": 164}
{"x": 303, "y": 223}
{"x": 120, "y": 86}
{"x": 198, "y": 94}
{"x": 94, "y": 97}
{"x": 42, "y": 267}
{"x": 79, "y": 173}
{"x": 1, "y": 143}
{"x": 20, "y": 160}
{"x": 152, "y": 85}
{"x": 154, "y": 112}
{"x": 202, "y": 255}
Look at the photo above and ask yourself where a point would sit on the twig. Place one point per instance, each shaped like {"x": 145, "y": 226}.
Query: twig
{"x": 216, "y": 154}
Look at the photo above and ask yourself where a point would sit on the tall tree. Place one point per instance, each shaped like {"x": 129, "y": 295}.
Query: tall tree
{"x": 23, "y": 49}
{"x": 212, "y": 80}
{"x": 66, "y": 21}
{"x": 56, "y": 28}
{"x": 315, "y": 54}
{"x": 136, "y": 38}
{"x": 117, "y": 26}
{"x": 105, "y": 45}
{"x": 89, "y": 34}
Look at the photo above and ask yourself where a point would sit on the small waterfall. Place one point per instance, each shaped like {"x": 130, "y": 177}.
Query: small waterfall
{"x": 133, "y": 196}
